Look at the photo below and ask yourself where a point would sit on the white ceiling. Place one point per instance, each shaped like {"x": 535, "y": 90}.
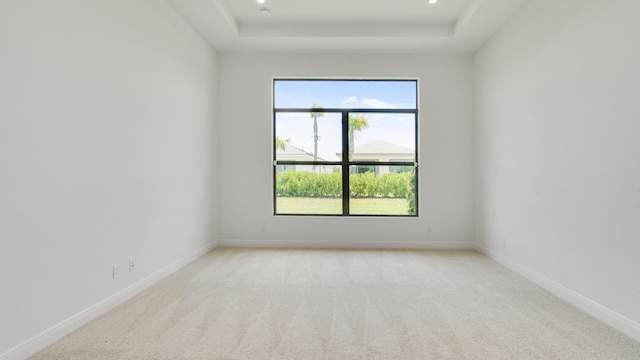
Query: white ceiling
{"x": 347, "y": 25}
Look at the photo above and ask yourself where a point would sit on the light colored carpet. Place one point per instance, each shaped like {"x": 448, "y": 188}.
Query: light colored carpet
{"x": 344, "y": 304}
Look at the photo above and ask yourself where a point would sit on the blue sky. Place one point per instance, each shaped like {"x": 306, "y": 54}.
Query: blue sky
{"x": 395, "y": 128}
{"x": 345, "y": 94}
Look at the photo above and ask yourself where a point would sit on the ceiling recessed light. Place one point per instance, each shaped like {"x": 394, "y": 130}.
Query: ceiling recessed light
{"x": 430, "y": 1}
{"x": 260, "y": 1}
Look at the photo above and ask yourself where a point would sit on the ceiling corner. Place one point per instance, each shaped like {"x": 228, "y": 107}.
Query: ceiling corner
{"x": 467, "y": 15}
{"x": 226, "y": 14}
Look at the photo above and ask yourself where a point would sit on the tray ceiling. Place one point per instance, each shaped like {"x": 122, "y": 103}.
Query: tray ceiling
{"x": 346, "y": 25}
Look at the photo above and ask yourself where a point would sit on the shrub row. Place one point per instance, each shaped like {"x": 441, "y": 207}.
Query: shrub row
{"x": 308, "y": 184}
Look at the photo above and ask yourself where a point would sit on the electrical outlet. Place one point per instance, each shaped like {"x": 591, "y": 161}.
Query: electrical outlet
{"x": 132, "y": 264}
{"x": 116, "y": 271}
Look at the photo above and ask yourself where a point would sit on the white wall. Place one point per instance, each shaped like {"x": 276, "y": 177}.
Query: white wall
{"x": 107, "y": 152}
{"x": 446, "y": 174}
{"x": 558, "y": 151}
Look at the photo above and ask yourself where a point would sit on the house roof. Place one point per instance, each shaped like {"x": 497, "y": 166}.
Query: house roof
{"x": 291, "y": 150}
{"x": 381, "y": 147}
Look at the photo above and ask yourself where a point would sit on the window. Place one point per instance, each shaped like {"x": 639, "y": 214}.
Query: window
{"x": 403, "y": 168}
{"x": 345, "y": 147}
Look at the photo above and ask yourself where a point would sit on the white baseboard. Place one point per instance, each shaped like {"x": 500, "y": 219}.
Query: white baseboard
{"x": 348, "y": 244}
{"x": 58, "y": 331}
{"x": 63, "y": 328}
{"x": 604, "y": 314}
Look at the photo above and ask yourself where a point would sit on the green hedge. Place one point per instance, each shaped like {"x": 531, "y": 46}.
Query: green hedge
{"x": 363, "y": 185}
{"x": 395, "y": 184}
{"x": 411, "y": 196}
{"x": 308, "y": 184}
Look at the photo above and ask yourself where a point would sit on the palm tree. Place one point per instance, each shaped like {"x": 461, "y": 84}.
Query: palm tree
{"x": 356, "y": 123}
{"x": 282, "y": 143}
{"x": 315, "y": 115}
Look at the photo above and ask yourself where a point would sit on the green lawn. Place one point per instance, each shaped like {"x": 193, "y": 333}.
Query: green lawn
{"x": 376, "y": 206}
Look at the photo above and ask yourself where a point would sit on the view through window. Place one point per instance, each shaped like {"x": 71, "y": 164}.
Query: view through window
{"x": 345, "y": 147}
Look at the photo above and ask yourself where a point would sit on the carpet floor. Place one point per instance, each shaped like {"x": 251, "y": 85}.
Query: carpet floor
{"x": 344, "y": 304}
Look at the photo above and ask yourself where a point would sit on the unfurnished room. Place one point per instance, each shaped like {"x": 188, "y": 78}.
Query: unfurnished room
{"x": 343, "y": 179}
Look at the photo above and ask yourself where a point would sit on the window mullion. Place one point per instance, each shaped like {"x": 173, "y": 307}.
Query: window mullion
{"x": 345, "y": 163}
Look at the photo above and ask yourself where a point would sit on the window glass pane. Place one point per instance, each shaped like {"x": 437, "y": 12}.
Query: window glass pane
{"x": 346, "y": 94}
{"x": 382, "y": 137}
{"x": 295, "y": 134}
{"x": 382, "y": 192}
{"x": 302, "y": 191}
{"x": 401, "y": 168}
{"x": 376, "y": 144}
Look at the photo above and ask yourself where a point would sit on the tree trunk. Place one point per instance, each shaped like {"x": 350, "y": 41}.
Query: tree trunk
{"x": 315, "y": 141}
{"x": 351, "y": 144}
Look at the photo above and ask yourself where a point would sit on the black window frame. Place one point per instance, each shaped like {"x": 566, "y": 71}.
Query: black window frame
{"x": 345, "y": 164}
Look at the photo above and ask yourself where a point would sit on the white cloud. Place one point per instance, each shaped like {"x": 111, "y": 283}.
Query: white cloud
{"x": 353, "y": 101}
{"x": 350, "y": 100}
{"x": 377, "y": 104}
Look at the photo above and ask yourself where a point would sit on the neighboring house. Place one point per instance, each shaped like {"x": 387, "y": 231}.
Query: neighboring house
{"x": 380, "y": 150}
{"x": 376, "y": 150}
{"x": 292, "y": 153}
